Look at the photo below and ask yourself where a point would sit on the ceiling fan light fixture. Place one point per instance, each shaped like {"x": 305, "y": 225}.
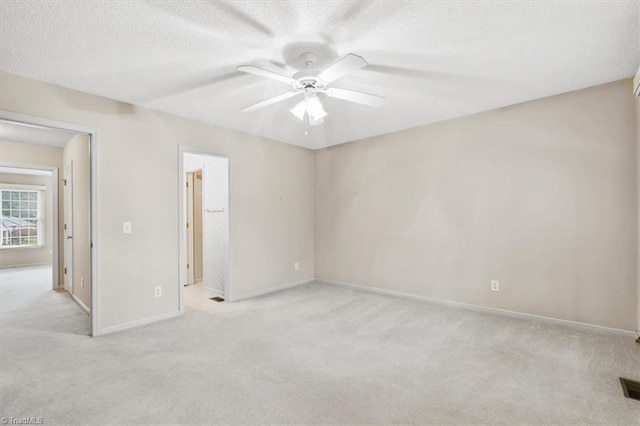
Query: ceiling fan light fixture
{"x": 311, "y": 106}
{"x": 300, "y": 109}
{"x": 315, "y": 109}
{"x": 316, "y": 122}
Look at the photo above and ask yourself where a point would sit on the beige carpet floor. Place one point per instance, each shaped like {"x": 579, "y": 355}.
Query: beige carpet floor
{"x": 312, "y": 354}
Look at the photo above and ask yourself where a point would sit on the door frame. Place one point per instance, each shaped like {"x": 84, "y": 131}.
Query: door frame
{"x": 67, "y": 212}
{"x": 190, "y": 179}
{"x": 93, "y": 133}
{"x": 182, "y": 217}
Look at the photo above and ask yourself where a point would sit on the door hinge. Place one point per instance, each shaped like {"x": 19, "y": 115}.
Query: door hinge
{"x": 64, "y": 182}
{"x": 187, "y": 266}
{"x": 65, "y": 226}
{"x": 65, "y": 270}
{"x": 187, "y": 225}
{"x": 187, "y": 184}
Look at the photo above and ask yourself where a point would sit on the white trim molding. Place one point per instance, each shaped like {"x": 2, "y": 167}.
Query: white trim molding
{"x": 24, "y": 265}
{"x": 19, "y": 186}
{"x": 81, "y": 304}
{"x": 137, "y": 323}
{"x": 271, "y": 290}
{"x": 484, "y": 309}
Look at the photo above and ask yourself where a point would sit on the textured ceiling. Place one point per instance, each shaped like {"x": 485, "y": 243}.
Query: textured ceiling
{"x": 431, "y": 60}
{"x": 15, "y": 132}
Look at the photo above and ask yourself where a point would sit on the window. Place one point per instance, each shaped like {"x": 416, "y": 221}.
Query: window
{"x": 22, "y": 218}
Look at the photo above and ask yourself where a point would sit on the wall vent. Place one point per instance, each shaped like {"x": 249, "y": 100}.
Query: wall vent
{"x": 631, "y": 388}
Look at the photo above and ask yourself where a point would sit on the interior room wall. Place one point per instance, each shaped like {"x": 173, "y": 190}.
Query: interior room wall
{"x": 10, "y": 257}
{"x": 271, "y": 199}
{"x": 76, "y": 152}
{"x": 28, "y": 154}
{"x": 541, "y": 196}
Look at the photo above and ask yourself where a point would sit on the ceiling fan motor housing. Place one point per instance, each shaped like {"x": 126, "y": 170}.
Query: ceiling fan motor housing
{"x": 308, "y": 80}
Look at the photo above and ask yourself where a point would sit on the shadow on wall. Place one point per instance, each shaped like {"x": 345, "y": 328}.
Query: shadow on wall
{"x": 85, "y": 102}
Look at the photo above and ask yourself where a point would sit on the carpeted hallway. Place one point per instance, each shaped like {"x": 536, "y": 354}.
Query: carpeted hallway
{"x": 313, "y": 354}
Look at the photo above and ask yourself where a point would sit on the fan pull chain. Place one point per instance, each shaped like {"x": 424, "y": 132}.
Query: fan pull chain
{"x": 306, "y": 124}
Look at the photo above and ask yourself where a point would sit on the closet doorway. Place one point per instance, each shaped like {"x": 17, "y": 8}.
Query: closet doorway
{"x": 204, "y": 236}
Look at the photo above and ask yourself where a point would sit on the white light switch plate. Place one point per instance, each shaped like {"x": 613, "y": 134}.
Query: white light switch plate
{"x": 126, "y": 227}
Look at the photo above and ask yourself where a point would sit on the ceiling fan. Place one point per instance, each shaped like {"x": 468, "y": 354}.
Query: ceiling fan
{"x": 310, "y": 82}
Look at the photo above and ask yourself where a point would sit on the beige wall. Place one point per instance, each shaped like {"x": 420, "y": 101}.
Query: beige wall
{"x": 271, "y": 198}
{"x": 29, "y": 155}
{"x": 31, "y": 256}
{"x": 541, "y": 196}
{"x": 76, "y": 153}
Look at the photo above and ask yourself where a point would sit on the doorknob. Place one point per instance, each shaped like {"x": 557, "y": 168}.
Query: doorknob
{"x": 69, "y": 237}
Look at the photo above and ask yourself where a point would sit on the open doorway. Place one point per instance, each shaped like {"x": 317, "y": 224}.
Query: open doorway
{"x": 28, "y": 197}
{"x": 45, "y": 177}
{"x": 26, "y": 258}
{"x": 204, "y": 225}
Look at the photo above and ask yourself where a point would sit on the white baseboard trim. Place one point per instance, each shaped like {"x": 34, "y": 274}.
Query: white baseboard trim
{"x": 272, "y": 289}
{"x": 137, "y": 323}
{"x": 214, "y": 293}
{"x": 485, "y": 309}
{"x": 82, "y": 305}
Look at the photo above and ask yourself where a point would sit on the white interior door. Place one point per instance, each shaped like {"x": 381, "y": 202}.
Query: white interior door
{"x": 68, "y": 227}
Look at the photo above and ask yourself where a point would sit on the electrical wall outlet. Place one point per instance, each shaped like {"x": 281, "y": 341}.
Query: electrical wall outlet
{"x": 296, "y": 266}
{"x": 495, "y": 285}
{"x": 157, "y": 291}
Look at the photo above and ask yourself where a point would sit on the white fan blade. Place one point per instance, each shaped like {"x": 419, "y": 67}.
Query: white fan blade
{"x": 357, "y": 97}
{"x": 269, "y": 101}
{"x": 343, "y": 67}
{"x": 250, "y": 69}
